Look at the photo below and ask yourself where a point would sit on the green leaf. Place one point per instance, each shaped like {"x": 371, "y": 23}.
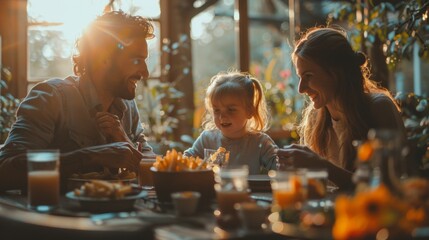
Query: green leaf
{"x": 391, "y": 35}
{"x": 371, "y": 38}
{"x": 389, "y": 6}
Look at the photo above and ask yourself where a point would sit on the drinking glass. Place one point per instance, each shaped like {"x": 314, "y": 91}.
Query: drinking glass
{"x": 289, "y": 187}
{"x": 317, "y": 181}
{"x": 145, "y": 175}
{"x": 43, "y": 179}
{"x": 213, "y": 157}
{"x": 231, "y": 188}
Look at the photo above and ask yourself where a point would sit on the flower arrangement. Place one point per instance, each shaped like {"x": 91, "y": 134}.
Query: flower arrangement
{"x": 377, "y": 212}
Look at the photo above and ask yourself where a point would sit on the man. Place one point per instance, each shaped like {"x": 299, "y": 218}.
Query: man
{"x": 91, "y": 117}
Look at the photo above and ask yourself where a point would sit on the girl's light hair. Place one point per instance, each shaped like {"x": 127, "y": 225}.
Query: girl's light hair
{"x": 243, "y": 86}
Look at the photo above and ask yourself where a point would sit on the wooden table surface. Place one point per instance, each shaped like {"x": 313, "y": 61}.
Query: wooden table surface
{"x": 146, "y": 222}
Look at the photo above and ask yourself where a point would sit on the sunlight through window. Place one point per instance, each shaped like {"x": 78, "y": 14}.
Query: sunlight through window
{"x": 53, "y": 27}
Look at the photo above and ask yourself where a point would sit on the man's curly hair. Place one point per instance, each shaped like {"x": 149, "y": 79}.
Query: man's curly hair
{"x": 105, "y": 35}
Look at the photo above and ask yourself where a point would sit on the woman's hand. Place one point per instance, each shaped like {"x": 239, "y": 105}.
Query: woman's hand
{"x": 300, "y": 156}
{"x": 111, "y": 127}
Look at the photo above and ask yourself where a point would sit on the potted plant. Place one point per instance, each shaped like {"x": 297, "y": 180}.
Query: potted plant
{"x": 8, "y": 104}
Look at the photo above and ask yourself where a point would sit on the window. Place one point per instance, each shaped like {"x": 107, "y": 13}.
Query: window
{"x": 52, "y": 33}
{"x": 214, "y": 36}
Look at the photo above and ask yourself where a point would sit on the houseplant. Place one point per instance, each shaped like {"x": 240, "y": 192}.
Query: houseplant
{"x": 8, "y": 104}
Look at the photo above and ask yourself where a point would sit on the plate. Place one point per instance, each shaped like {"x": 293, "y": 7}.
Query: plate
{"x": 73, "y": 183}
{"x": 259, "y": 183}
{"x": 91, "y": 204}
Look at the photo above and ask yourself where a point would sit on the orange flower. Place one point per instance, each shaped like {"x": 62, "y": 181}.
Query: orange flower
{"x": 368, "y": 212}
{"x": 417, "y": 216}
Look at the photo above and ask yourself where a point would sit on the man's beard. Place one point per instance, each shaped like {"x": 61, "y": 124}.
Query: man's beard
{"x": 118, "y": 86}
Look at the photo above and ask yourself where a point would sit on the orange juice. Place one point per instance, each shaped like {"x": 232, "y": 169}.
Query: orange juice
{"x": 145, "y": 175}
{"x": 316, "y": 189}
{"x": 227, "y": 199}
{"x": 317, "y": 182}
{"x": 44, "y": 188}
{"x": 285, "y": 199}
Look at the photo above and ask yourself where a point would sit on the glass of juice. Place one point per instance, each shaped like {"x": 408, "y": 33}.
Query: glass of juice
{"x": 289, "y": 187}
{"x": 231, "y": 188}
{"x": 145, "y": 175}
{"x": 317, "y": 183}
{"x": 43, "y": 179}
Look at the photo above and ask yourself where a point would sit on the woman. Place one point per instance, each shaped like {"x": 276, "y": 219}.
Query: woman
{"x": 344, "y": 105}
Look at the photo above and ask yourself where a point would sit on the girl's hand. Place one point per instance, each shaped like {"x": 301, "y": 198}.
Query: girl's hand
{"x": 300, "y": 156}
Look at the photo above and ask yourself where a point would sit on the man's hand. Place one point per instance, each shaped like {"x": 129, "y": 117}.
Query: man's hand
{"x": 117, "y": 155}
{"x": 111, "y": 127}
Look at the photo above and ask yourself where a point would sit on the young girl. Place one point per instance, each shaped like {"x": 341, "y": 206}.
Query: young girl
{"x": 236, "y": 116}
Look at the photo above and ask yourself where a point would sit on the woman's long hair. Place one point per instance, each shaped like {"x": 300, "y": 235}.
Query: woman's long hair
{"x": 330, "y": 49}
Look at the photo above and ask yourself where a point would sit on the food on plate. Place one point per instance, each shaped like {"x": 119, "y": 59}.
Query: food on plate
{"x": 103, "y": 189}
{"x": 106, "y": 175}
{"x": 174, "y": 161}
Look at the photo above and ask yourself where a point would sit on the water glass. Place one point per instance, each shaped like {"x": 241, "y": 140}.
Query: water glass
{"x": 216, "y": 157}
{"x": 43, "y": 179}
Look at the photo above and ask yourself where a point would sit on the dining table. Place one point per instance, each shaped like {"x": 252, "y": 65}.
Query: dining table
{"x": 148, "y": 219}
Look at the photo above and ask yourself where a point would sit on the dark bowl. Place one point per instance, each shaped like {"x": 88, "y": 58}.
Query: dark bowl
{"x": 201, "y": 181}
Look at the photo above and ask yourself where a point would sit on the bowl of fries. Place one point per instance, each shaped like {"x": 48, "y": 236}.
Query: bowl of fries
{"x": 103, "y": 196}
{"x": 177, "y": 173}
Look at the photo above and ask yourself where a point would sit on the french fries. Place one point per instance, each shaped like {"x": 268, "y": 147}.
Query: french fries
{"x": 174, "y": 161}
{"x": 103, "y": 189}
{"x": 214, "y": 156}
